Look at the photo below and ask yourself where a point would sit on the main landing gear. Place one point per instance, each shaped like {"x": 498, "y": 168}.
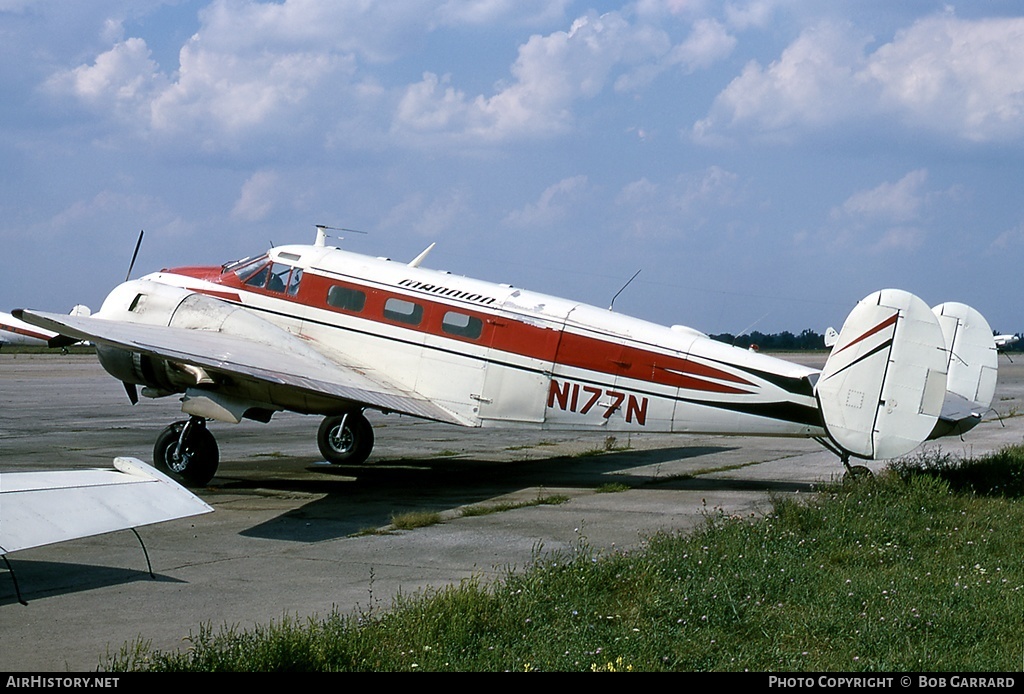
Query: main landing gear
{"x": 187, "y": 450}
{"x": 345, "y": 439}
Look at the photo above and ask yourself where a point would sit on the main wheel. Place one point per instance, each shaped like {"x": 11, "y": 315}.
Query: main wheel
{"x": 197, "y": 463}
{"x": 345, "y": 439}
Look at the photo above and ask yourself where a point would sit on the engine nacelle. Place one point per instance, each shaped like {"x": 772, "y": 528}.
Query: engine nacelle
{"x": 158, "y": 376}
{"x": 187, "y": 311}
{"x": 152, "y": 303}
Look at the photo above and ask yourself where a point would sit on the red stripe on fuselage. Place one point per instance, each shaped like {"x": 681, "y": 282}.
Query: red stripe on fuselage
{"x": 233, "y": 297}
{"x": 625, "y": 361}
{"x": 501, "y": 333}
{"x": 25, "y": 333}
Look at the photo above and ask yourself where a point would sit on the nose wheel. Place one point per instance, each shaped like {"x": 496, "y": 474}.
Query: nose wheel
{"x": 187, "y": 451}
{"x": 345, "y": 439}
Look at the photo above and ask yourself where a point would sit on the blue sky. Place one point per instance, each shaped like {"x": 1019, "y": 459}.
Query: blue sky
{"x": 764, "y": 163}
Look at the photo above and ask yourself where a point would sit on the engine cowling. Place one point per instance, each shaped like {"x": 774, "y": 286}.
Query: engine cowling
{"x": 209, "y": 391}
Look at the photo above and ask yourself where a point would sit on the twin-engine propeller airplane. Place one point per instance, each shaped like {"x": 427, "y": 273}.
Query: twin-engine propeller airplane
{"x": 1004, "y": 341}
{"x": 318, "y": 330}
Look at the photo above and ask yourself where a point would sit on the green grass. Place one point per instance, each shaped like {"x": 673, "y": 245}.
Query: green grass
{"x": 415, "y": 519}
{"x": 487, "y": 509}
{"x": 40, "y": 349}
{"x": 612, "y": 487}
{"x": 917, "y": 569}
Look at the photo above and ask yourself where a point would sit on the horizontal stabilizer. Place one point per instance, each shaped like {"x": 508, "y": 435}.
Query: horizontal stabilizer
{"x": 881, "y": 390}
{"x": 41, "y": 508}
{"x": 973, "y": 364}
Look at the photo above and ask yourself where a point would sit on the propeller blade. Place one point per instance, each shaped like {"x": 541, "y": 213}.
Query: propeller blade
{"x": 131, "y": 265}
{"x": 132, "y": 390}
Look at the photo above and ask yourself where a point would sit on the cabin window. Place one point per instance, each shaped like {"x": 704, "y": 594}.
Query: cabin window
{"x": 346, "y": 298}
{"x": 461, "y": 325}
{"x": 403, "y": 311}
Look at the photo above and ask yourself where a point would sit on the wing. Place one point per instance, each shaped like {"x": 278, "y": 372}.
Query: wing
{"x": 285, "y": 360}
{"x": 42, "y": 508}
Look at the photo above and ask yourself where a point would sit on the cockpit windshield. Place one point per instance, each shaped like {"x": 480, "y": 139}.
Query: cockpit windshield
{"x": 262, "y": 273}
{"x": 233, "y": 265}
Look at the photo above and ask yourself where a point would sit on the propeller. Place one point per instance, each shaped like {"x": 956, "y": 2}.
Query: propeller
{"x": 130, "y": 388}
{"x": 135, "y": 255}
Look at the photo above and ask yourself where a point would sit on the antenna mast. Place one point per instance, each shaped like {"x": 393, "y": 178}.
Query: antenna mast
{"x": 612, "y": 304}
{"x": 321, "y": 233}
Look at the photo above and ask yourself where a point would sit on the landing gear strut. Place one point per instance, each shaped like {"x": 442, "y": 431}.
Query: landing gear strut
{"x": 345, "y": 439}
{"x": 187, "y": 450}
{"x": 853, "y": 472}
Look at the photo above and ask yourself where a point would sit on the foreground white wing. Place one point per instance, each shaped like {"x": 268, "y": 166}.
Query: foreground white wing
{"x": 42, "y": 508}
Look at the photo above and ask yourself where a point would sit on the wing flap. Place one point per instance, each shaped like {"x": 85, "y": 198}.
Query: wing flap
{"x": 46, "y": 507}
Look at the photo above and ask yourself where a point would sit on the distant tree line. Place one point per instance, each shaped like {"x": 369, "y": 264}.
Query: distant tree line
{"x": 781, "y": 342}
{"x": 808, "y": 339}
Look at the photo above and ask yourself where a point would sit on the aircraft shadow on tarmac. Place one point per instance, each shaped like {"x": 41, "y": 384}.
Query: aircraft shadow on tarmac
{"x": 39, "y": 579}
{"x": 369, "y": 496}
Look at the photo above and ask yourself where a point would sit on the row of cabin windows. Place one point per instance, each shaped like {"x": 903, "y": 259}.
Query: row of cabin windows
{"x": 404, "y": 311}
{"x": 285, "y": 279}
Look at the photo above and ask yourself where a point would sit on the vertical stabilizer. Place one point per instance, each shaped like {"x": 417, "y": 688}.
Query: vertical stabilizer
{"x": 973, "y": 364}
{"x": 882, "y": 388}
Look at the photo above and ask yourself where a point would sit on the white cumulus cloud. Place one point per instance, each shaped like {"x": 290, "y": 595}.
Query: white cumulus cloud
{"x": 897, "y": 202}
{"x": 943, "y": 75}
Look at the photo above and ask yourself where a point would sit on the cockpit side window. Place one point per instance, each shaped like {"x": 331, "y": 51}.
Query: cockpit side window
{"x": 258, "y": 278}
{"x": 293, "y": 282}
{"x": 278, "y": 277}
{"x": 261, "y": 273}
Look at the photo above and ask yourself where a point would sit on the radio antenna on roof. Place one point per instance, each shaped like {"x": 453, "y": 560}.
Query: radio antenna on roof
{"x": 321, "y": 233}
{"x": 612, "y": 304}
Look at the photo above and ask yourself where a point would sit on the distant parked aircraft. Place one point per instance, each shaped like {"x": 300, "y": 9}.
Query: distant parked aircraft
{"x": 18, "y": 332}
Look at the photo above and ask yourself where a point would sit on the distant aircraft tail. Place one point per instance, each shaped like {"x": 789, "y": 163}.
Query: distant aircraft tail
{"x": 900, "y": 373}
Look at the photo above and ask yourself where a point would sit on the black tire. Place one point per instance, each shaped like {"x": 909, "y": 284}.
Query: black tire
{"x": 858, "y": 472}
{"x": 348, "y": 446}
{"x": 199, "y": 463}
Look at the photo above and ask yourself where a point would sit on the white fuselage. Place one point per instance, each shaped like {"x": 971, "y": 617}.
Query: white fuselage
{"x": 17, "y": 332}
{"x": 493, "y": 354}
